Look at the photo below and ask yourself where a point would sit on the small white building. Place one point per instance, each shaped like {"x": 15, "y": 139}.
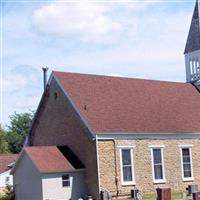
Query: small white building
{"x": 6, "y": 163}
{"x": 48, "y": 173}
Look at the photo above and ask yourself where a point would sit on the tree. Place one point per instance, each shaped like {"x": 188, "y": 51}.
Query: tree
{"x": 18, "y": 130}
{"x": 3, "y": 142}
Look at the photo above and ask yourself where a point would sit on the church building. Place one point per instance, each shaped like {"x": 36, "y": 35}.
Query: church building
{"x": 113, "y": 134}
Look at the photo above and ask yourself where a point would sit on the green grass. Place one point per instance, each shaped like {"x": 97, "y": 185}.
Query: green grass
{"x": 175, "y": 196}
{"x": 153, "y": 196}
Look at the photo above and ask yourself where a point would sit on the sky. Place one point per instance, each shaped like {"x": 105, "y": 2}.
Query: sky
{"x": 131, "y": 38}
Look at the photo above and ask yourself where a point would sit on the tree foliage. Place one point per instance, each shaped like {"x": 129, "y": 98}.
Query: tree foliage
{"x": 4, "y": 148}
{"x": 20, "y": 123}
{"x": 18, "y": 130}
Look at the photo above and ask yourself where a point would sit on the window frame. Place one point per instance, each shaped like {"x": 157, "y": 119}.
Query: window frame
{"x": 127, "y": 183}
{"x": 66, "y": 180}
{"x": 191, "y": 164}
{"x": 161, "y": 147}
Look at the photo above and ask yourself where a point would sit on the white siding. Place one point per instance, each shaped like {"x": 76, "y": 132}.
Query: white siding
{"x": 6, "y": 178}
{"x": 27, "y": 180}
{"x": 53, "y": 189}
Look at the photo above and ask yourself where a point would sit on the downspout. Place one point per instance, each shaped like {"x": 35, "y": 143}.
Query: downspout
{"x": 116, "y": 174}
{"x": 118, "y": 194}
{"x": 98, "y": 172}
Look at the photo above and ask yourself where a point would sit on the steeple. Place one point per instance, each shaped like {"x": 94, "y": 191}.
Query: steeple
{"x": 192, "y": 48}
{"x": 193, "y": 41}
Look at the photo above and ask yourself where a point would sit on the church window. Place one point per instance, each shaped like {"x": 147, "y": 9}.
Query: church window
{"x": 158, "y": 169}
{"x": 126, "y": 163}
{"x": 186, "y": 162}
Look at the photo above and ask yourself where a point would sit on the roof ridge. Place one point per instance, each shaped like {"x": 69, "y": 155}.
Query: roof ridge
{"x": 117, "y": 77}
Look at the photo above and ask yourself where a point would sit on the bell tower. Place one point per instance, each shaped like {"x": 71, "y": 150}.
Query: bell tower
{"x": 192, "y": 48}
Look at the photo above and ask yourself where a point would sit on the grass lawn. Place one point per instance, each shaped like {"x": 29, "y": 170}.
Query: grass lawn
{"x": 175, "y": 196}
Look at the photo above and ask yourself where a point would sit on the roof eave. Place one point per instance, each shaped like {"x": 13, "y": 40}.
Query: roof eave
{"x": 61, "y": 171}
{"x": 135, "y": 136}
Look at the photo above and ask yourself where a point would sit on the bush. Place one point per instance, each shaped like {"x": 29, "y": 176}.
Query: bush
{"x": 7, "y": 197}
{"x": 9, "y": 193}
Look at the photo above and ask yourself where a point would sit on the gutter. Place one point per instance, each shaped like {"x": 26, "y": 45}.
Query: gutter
{"x": 142, "y": 136}
{"x": 116, "y": 175}
{"x": 98, "y": 168}
{"x": 98, "y": 171}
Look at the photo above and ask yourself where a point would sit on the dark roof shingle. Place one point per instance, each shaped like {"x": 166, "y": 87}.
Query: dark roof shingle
{"x": 49, "y": 159}
{"x": 127, "y": 105}
{"x": 5, "y": 160}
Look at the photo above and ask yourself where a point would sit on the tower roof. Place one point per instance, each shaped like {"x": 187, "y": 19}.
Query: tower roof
{"x": 193, "y": 40}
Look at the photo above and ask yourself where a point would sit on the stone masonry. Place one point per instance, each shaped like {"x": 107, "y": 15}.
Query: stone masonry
{"x": 143, "y": 165}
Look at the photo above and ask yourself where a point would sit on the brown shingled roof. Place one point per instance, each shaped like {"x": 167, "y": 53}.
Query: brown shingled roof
{"x": 5, "y": 160}
{"x": 127, "y": 105}
{"x": 49, "y": 159}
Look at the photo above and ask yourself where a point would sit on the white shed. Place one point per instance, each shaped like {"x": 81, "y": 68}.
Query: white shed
{"x": 6, "y": 163}
{"x": 48, "y": 173}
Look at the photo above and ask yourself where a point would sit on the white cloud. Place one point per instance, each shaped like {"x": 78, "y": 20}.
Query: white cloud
{"x": 158, "y": 54}
{"x": 30, "y": 103}
{"x": 13, "y": 82}
{"x": 89, "y": 21}
{"x": 18, "y": 78}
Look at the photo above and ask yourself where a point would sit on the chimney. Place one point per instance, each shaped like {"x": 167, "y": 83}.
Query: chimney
{"x": 45, "y": 69}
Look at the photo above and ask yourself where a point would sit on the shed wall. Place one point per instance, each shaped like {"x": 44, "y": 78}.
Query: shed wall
{"x": 53, "y": 189}
{"x": 27, "y": 181}
{"x": 6, "y": 178}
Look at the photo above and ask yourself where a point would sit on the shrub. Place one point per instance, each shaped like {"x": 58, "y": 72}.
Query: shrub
{"x": 9, "y": 193}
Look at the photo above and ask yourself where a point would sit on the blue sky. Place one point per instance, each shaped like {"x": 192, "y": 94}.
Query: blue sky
{"x": 135, "y": 38}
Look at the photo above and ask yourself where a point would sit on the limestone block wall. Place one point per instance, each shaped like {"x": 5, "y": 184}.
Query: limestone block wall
{"x": 110, "y": 172}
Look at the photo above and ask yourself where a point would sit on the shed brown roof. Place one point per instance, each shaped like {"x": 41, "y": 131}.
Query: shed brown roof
{"x": 5, "y": 160}
{"x": 127, "y": 105}
{"x": 49, "y": 159}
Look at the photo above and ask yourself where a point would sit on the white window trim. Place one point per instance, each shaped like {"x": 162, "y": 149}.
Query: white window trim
{"x": 185, "y": 145}
{"x": 125, "y": 183}
{"x": 155, "y": 146}
{"x": 125, "y": 146}
{"x": 161, "y": 147}
{"x": 189, "y": 146}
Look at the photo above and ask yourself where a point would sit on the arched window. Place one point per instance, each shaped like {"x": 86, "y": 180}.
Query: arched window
{"x": 194, "y": 66}
{"x": 191, "y": 67}
{"x": 198, "y": 67}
